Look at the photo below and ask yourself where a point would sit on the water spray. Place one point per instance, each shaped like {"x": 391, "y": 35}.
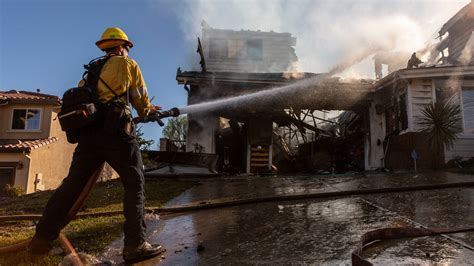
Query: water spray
{"x": 260, "y": 98}
{"x": 283, "y": 93}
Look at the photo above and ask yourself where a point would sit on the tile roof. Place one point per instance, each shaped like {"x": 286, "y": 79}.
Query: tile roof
{"x": 15, "y": 96}
{"x": 16, "y": 145}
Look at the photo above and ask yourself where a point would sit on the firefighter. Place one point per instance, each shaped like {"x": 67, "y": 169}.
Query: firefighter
{"x": 118, "y": 147}
{"x": 414, "y": 61}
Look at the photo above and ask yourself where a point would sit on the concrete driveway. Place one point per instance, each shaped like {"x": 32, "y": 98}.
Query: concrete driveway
{"x": 315, "y": 232}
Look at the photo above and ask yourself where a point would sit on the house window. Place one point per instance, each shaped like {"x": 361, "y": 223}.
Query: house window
{"x": 237, "y": 49}
{"x": 255, "y": 49}
{"x": 468, "y": 109}
{"x": 26, "y": 119}
{"x": 218, "y": 48}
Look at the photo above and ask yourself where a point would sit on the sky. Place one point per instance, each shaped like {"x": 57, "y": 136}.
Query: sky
{"x": 44, "y": 43}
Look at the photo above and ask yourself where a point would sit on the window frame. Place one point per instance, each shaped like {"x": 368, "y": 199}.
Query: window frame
{"x": 214, "y": 43}
{"x": 26, "y": 130}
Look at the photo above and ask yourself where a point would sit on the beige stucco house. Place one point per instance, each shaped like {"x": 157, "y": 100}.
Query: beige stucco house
{"x": 34, "y": 152}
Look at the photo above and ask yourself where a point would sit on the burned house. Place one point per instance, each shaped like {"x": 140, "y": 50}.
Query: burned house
{"x": 399, "y": 101}
{"x": 400, "y": 98}
{"x": 253, "y": 135}
{"x": 246, "y": 135}
{"x": 457, "y": 38}
{"x": 246, "y": 51}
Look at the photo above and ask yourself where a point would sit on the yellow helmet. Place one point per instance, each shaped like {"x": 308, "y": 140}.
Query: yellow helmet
{"x": 113, "y": 37}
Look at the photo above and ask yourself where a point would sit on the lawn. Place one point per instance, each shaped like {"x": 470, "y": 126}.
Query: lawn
{"x": 88, "y": 235}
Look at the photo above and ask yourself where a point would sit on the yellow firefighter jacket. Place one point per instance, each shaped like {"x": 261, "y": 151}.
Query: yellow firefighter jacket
{"x": 122, "y": 73}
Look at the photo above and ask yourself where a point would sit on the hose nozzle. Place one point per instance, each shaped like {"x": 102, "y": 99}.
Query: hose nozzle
{"x": 173, "y": 112}
{"x": 157, "y": 116}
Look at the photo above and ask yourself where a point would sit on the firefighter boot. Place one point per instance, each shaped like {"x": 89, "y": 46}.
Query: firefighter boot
{"x": 142, "y": 252}
{"x": 39, "y": 246}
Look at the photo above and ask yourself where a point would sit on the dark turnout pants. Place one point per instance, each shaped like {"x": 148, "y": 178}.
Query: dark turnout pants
{"x": 93, "y": 149}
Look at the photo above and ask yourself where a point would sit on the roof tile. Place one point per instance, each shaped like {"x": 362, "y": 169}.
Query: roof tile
{"x": 16, "y": 145}
{"x": 27, "y": 96}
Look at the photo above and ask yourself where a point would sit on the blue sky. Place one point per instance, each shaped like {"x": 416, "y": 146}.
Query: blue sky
{"x": 44, "y": 43}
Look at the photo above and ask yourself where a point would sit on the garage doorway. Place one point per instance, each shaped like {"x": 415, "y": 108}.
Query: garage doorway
{"x": 7, "y": 176}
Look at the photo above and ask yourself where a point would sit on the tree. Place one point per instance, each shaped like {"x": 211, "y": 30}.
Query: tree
{"x": 176, "y": 128}
{"x": 143, "y": 143}
{"x": 440, "y": 122}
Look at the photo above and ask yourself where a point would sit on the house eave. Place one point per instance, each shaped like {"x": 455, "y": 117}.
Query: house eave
{"x": 34, "y": 101}
{"x": 198, "y": 78}
{"x": 25, "y": 146}
{"x": 429, "y": 72}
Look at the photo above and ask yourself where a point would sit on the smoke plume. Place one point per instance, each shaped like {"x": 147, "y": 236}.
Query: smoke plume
{"x": 328, "y": 32}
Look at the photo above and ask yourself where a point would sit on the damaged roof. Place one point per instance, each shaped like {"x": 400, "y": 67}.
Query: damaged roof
{"x": 14, "y": 96}
{"x": 325, "y": 94}
{"x": 424, "y": 72}
{"x": 227, "y": 33}
{"x": 16, "y": 145}
{"x": 466, "y": 12}
{"x": 198, "y": 77}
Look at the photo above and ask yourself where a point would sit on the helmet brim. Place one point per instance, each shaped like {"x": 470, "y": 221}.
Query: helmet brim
{"x": 111, "y": 43}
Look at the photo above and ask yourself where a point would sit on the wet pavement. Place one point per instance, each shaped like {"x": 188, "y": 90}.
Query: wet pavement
{"x": 318, "y": 231}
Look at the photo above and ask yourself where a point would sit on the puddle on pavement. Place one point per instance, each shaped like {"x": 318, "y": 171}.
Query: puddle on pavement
{"x": 314, "y": 231}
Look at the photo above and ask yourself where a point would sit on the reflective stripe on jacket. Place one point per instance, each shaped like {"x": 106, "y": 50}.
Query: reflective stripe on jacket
{"x": 122, "y": 73}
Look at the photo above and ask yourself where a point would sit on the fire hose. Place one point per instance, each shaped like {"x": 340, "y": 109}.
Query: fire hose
{"x": 396, "y": 233}
{"x": 376, "y": 235}
{"x": 66, "y": 245}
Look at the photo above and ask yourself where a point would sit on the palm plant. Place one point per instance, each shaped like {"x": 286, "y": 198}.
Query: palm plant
{"x": 440, "y": 122}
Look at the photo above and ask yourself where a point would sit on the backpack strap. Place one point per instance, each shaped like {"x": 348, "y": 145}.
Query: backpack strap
{"x": 94, "y": 68}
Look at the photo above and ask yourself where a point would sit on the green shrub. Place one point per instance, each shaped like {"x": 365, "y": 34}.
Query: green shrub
{"x": 13, "y": 191}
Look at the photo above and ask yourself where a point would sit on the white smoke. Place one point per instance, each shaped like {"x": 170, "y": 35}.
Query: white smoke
{"x": 328, "y": 32}
{"x": 466, "y": 55}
